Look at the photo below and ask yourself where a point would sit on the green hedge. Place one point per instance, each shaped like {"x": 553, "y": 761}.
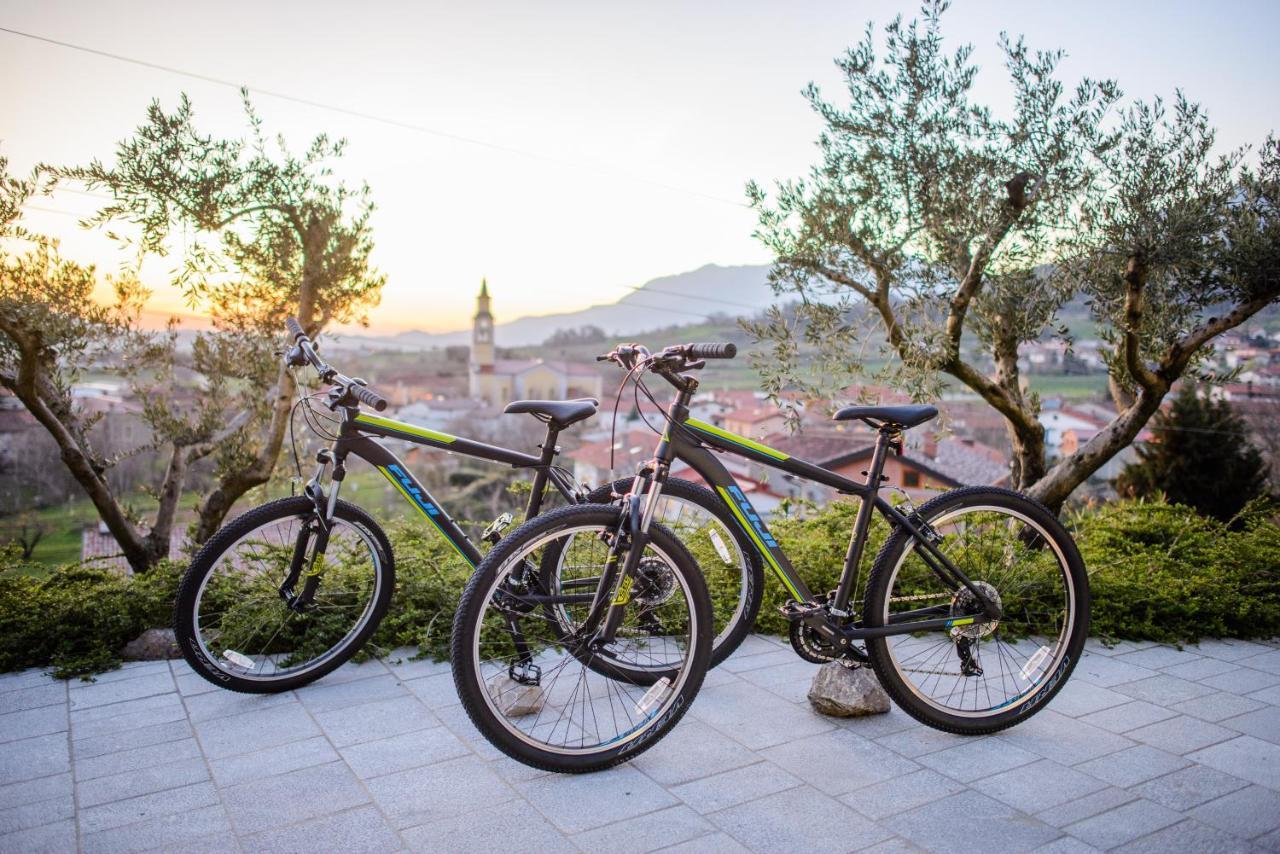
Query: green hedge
{"x": 1158, "y": 572}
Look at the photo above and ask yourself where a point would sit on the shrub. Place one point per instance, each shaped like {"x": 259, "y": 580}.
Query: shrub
{"x": 1158, "y": 572}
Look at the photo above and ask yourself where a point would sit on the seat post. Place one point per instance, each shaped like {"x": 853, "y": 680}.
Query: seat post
{"x": 534, "y": 506}
{"x": 858, "y": 539}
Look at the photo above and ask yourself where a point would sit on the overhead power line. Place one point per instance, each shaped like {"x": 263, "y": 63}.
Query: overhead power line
{"x": 360, "y": 114}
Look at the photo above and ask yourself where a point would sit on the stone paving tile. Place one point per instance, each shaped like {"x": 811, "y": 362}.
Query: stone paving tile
{"x": 1060, "y": 738}
{"x": 323, "y": 697}
{"x": 221, "y": 704}
{"x": 1164, "y": 689}
{"x": 1249, "y": 812}
{"x": 1189, "y": 835}
{"x": 379, "y": 719}
{"x": 1038, "y": 786}
{"x": 712, "y": 843}
{"x": 1066, "y": 845}
{"x": 24, "y": 679}
{"x": 1268, "y": 661}
{"x": 134, "y": 758}
{"x": 103, "y": 693}
{"x": 1262, "y": 723}
{"x": 402, "y": 665}
{"x": 362, "y": 830}
{"x": 166, "y": 832}
{"x": 39, "y": 756}
{"x": 1133, "y": 766}
{"x": 734, "y": 787}
{"x": 1078, "y": 698}
{"x": 144, "y": 736}
{"x": 435, "y": 690}
{"x": 146, "y": 807}
{"x": 37, "y": 813}
{"x": 1189, "y": 787}
{"x": 439, "y": 791}
{"x": 839, "y": 762}
{"x": 895, "y": 845}
{"x": 130, "y": 715}
{"x": 976, "y": 758}
{"x": 691, "y": 751}
{"x": 657, "y": 830}
{"x": 586, "y": 801}
{"x": 1182, "y": 734}
{"x": 1156, "y": 657}
{"x": 916, "y": 742}
{"x": 46, "y": 693}
{"x": 1242, "y": 680}
{"x": 754, "y": 718}
{"x": 1127, "y": 716}
{"x": 1218, "y": 707}
{"x": 141, "y": 781}
{"x": 1003, "y": 829}
{"x": 1107, "y": 672}
{"x": 1229, "y": 650}
{"x": 1199, "y": 668}
{"x": 509, "y": 827}
{"x": 876, "y": 726}
{"x": 55, "y": 838}
{"x": 267, "y": 762}
{"x": 1270, "y": 694}
{"x": 800, "y": 819}
{"x": 298, "y": 796}
{"x": 370, "y": 759}
{"x": 1123, "y": 824}
{"x": 40, "y": 789}
{"x": 1086, "y": 807}
{"x": 900, "y": 794}
{"x": 29, "y": 722}
{"x": 1246, "y": 757}
{"x": 256, "y": 730}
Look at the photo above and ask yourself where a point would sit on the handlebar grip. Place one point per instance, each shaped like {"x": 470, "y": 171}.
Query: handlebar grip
{"x": 364, "y": 394}
{"x": 295, "y": 328}
{"x": 712, "y": 351}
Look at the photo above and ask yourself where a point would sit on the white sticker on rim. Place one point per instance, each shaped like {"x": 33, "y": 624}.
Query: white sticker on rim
{"x": 721, "y": 548}
{"x": 238, "y": 659}
{"x": 1031, "y": 669}
{"x": 652, "y": 696}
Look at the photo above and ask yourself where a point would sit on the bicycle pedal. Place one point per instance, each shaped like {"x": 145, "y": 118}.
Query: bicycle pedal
{"x": 493, "y": 533}
{"x": 795, "y": 611}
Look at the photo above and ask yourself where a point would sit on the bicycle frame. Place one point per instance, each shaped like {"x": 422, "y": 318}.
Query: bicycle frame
{"x": 357, "y": 435}
{"x": 692, "y": 442}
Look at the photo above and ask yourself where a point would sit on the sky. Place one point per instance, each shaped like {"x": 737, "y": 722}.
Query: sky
{"x": 578, "y": 148}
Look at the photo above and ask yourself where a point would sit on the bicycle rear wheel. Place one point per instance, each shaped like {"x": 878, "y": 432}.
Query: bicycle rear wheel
{"x": 560, "y": 702}
{"x": 236, "y": 629}
{"x": 973, "y": 676}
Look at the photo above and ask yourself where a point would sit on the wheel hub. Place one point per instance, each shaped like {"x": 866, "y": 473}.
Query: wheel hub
{"x": 655, "y": 582}
{"x": 965, "y": 604}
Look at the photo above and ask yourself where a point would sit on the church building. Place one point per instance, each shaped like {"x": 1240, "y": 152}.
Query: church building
{"x": 497, "y": 382}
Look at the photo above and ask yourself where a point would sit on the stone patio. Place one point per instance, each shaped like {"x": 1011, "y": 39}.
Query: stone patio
{"x": 1148, "y": 748}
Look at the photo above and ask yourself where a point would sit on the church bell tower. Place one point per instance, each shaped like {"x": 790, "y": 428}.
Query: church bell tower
{"x": 482, "y": 354}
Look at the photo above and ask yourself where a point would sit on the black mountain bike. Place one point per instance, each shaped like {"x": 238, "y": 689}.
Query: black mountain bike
{"x": 288, "y": 591}
{"x": 976, "y": 608}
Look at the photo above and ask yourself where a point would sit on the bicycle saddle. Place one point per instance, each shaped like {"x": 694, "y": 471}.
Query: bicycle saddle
{"x": 558, "y": 413}
{"x": 897, "y": 416}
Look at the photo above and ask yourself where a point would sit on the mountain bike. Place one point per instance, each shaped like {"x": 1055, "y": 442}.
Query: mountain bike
{"x": 288, "y": 591}
{"x": 977, "y": 605}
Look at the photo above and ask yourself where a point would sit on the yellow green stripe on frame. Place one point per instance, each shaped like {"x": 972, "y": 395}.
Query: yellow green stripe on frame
{"x": 404, "y": 427}
{"x": 760, "y": 546}
{"x": 704, "y": 427}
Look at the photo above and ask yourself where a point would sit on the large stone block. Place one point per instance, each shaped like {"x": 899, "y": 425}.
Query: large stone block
{"x": 847, "y": 692}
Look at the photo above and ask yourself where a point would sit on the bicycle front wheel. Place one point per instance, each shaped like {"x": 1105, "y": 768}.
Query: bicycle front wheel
{"x": 237, "y": 630}
{"x": 559, "y": 701}
{"x": 976, "y": 676}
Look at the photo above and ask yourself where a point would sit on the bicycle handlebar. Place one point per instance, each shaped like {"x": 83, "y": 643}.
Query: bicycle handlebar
{"x": 304, "y": 352}
{"x": 711, "y": 351}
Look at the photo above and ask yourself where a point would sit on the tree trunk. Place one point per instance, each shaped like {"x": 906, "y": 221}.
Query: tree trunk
{"x": 175, "y": 476}
{"x": 1060, "y": 481}
{"x": 27, "y": 388}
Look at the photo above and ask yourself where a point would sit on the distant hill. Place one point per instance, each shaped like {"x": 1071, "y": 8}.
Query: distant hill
{"x": 671, "y": 300}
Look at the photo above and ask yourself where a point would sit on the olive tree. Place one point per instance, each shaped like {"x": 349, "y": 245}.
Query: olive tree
{"x": 959, "y": 235}
{"x": 51, "y": 328}
{"x": 271, "y": 234}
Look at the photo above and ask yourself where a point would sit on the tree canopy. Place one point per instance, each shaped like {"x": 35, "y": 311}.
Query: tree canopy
{"x": 960, "y": 234}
